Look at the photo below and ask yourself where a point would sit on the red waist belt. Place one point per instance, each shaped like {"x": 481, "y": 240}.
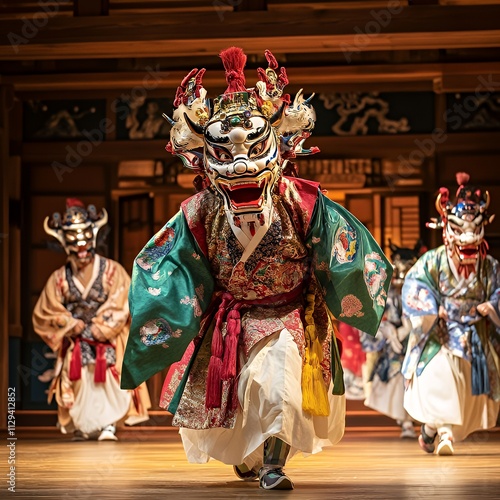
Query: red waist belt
{"x": 223, "y": 360}
{"x": 75, "y": 367}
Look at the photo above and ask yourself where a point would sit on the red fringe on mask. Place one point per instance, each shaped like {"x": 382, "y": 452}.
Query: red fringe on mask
{"x": 74, "y": 202}
{"x": 234, "y": 61}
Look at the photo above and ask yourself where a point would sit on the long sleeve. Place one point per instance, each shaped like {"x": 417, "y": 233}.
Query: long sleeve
{"x": 350, "y": 266}
{"x": 171, "y": 289}
{"x": 51, "y": 320}
{"x": 420, "y": 293}
{"x": 421, "y": 301}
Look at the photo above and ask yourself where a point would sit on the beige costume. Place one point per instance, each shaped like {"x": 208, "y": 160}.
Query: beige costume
{"x": 89, "y": 401}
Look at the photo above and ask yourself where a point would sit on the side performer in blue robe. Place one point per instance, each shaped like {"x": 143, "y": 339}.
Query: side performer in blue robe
{"x": 451, "y": 297}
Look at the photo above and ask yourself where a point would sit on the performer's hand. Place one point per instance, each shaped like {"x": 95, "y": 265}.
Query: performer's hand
{"x": 442, "y": 313}
{"x": 390, "y": 333}
{"x": 78, "y": 328}
{"x": 97, "y": 334}
{"x": 395, "y": 344}
{"x": 405, "y": 329}
{"x": 387, "y": 329}
{"x": 484, "y": 309}
{"x": 488, "y": 309}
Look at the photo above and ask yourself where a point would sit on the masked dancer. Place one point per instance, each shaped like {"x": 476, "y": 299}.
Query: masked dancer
{"x": 385, "y": 353}
{"x": 451, "y": 298}
{"x": 83, "y": 315}
{"x": 240, "y": 287}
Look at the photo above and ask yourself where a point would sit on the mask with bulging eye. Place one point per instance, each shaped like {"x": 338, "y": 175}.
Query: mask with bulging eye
{"x": 77, "y": 230}
{"x": 80, "y": 243}
{"x": 463, "y": 223}
{"x": 241, "y": 144}
{"x": 242, "y": 161}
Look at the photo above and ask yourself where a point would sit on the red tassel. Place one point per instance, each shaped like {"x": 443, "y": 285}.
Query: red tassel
{"x": 234, "y": 61}
{"x": 75, "y": 366}
{"x": 100, "y": 364}
{"x": 231, "y": 345}
{"x": 214, "y": 383}
{"x": 217, "y": 345}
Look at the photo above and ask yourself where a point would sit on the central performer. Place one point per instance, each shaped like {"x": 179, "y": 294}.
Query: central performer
{"x": 238, "y": 294}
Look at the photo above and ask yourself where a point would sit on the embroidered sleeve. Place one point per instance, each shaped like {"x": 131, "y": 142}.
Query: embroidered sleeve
{"x": 350, "y": 266}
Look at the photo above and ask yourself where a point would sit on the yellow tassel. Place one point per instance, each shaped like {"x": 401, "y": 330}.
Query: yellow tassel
{"x": 314, "y": 393}
{"x": 308, "y": 403}
{"x": 319, "y": 388}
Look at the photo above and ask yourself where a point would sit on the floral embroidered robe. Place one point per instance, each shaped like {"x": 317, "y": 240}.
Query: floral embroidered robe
{"x": 312, "y": 245}
{"x": 430, "y": 283}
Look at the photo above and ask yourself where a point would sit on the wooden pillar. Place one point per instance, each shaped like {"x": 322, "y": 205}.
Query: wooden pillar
{"x": 5, "y": 100}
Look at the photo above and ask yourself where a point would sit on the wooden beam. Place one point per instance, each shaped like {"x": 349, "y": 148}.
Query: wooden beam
{"x": 90, "y": 7}
{"x": 357, "y": 30}
{"x": 29, "y": 9}
{"x": 330, "y": 4}
{"x": 469, "y": 2}
{"x": 374, "y": 146}
{"x": 302, "y": 44}
{"x": 247, "y": 5}
{"x": 442, "y": 77}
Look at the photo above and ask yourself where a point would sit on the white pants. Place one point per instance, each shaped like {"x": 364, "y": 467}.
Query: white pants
{"x": 442, "y": 395}
{"x": 387, "y": 397}
{"x": 98, "y": 405}
{"x": 270, "y": 395}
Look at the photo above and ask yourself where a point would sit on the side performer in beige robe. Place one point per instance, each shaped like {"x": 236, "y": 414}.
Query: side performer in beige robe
{"x": 83, "y": 315}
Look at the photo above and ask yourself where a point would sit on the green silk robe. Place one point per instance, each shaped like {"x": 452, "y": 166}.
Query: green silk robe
{"x": 313, "y": 243}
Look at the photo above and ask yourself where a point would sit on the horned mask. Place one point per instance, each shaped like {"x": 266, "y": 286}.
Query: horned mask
{"x": 77, "y": 229}
{"x": 241, "y": 143}
{"x": 463, "y": 222}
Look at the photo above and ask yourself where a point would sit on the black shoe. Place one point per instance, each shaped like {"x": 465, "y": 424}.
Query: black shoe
{"x": 244, "y": 473}
{"x": 274, "y": 479}
{"x": 425, "y": 441}
{"x": 79, "y": 436}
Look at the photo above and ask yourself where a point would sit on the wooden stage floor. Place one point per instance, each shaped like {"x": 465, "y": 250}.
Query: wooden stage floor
{"x": 151, "y": 465}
